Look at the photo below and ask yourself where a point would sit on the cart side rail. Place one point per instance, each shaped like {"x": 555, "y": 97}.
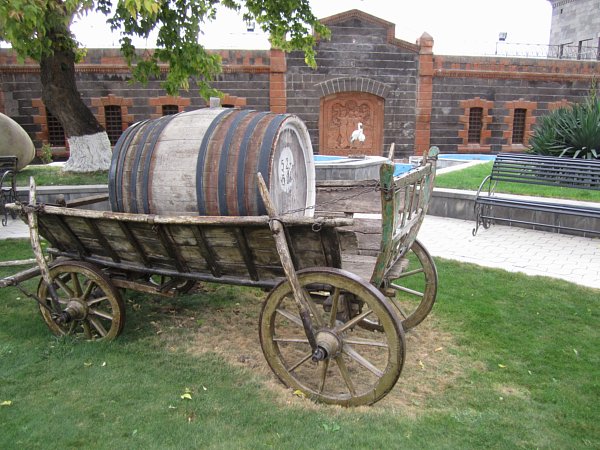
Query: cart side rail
{"x": 404, "y": 203}
{"x": 236, "y": 250}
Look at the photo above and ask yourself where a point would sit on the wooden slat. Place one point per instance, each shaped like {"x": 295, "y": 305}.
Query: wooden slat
{"x": 74, "y": 238}
{"x": 134, "y": 243}
{"x": 246, "y": 253}
{"x": 103, "y": 241}
{"x": 207, "y": 252}
{"x": 171, "y": 248}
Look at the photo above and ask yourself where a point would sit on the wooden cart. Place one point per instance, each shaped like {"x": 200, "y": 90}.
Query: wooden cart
{"x": 332, "y": 325}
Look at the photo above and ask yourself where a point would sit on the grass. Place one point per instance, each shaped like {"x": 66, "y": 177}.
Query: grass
{"x": 470, "y": 179}
{"x": 504, "y": 361}
{"x": 55, "y": 176}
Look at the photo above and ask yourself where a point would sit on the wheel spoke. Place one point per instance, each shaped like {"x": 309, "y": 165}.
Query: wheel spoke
{"x": 288, "y": 315}
{"x": 362, "y": 360}
{"x": 99, "y": 313}
{"x": 98, "y": 326}
{"x": 323, "y": 366}
{"x": 407, "y": 290}
{"x": 299, "y": 363}
{"x": 334, "y": 306}
{"x": 368, "y": 342}
{"x": 411, "y": 272}
{"x": 398, "y": 307}
{"x": 88, "y": 290}
{"x": 61, "y": 284}
{"x": 345, "y": 374}
{"x": 96, "y": 300}
{"x": 354, "y": 321}
{"x": 61, "y": 301}
{"x": 87, "y": 331}
{"x": 291, "y": 340}
{"x": 76, "y": 284}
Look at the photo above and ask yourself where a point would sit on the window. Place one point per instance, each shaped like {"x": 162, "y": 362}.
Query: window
{"x": 169, "y": 110}
{"x": 518, "y": 129}
{"x": 56, "y": 132}
{"x": 114, "y": 123}
{"x": 475, "y": 125}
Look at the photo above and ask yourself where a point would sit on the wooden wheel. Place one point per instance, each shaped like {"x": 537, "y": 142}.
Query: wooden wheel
{"x": 360, "y": 366}
{"x": 413, "y": 292}
{"x": 416, "y": 287}
{"x": 93, "y": 305}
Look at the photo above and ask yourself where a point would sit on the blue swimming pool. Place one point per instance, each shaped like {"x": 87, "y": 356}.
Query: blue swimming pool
{"x": 468, "y": 156}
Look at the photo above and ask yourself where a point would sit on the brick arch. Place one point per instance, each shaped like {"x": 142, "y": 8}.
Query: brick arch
{"x": 158, "y": 102}
{"x": 529, "y": 107}
{"x": 486, "y": 133}
{"x": 356, "y": 84}
{"x": 113, "y": 100}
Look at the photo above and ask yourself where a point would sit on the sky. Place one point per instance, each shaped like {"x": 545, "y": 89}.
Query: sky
{"x": 458, "y": 27}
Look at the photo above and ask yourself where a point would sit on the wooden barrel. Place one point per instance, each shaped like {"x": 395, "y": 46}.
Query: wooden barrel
{"x": 205, "y": 162}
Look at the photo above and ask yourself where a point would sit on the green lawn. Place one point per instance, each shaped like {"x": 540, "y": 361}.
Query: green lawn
{"x": 470, "y": 179}
{"x": 54, "y": 176}
{"x": 504, "y": 361}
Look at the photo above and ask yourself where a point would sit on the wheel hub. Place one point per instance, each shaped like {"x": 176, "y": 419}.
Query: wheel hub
{"x": 76, "y": 310}
{"x": 329, "y": 345}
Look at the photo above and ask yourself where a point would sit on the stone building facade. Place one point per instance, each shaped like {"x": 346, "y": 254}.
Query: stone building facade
{"x": 575, "y": 28}
{"x": 400, "y": 92}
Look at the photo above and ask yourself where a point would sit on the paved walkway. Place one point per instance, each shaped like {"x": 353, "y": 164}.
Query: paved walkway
{"x": 572, "y": 258}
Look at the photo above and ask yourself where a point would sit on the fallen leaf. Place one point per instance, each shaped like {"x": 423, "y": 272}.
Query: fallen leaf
{"x": 421, "y": 364}
{"x": 87, "y": 364}
{"x": 502, "y": 366}
{"x": 6, "y": 403}
{"x": 439, "y": 349}
{"x": 104, "y": 364}
{"x": 576, "y": 352}
{"x": 186, "y": 396}
{"x": 299, "y": 393}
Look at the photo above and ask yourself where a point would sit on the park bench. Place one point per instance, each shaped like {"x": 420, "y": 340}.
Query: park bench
{"x": 545, "y": 171}
{"x": 8, "y": 185}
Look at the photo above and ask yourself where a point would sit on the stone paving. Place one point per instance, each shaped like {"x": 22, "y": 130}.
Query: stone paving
{"x": 571, "y": 258}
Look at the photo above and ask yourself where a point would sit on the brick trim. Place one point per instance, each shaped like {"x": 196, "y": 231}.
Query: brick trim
{"x": 360, "y": 15}
{"x": 159, "y": 102}
{"x": 277, "y": 83}
{"x": 349, "y": 84}
{"x": 112, "y": 100}
{"x": 486, "y": 119}
{"x": 509, "y": 120}
{"x": 41, "y": 119}
{"x": 424, "y": 95}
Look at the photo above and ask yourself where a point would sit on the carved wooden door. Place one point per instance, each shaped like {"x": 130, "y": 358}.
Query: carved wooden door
{"x": 344, "y": 113}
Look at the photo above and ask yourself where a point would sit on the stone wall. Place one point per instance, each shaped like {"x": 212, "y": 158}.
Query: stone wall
{"x": 500, "y": 85}
{"x": 363, "y": 55}
{"x": 103, "y": 79}
{"x": 575, "y": 21}
{"x": 424, "y": 98}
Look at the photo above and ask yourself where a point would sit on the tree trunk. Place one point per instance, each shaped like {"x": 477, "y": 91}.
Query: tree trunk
{"x": 88, "y": 142}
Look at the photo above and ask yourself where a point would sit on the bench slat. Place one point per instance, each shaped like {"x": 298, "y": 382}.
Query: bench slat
{"x": 544, "y": 171}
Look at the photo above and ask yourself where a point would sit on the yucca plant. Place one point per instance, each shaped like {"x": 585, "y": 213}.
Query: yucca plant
{"x": 572, "y": 131}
